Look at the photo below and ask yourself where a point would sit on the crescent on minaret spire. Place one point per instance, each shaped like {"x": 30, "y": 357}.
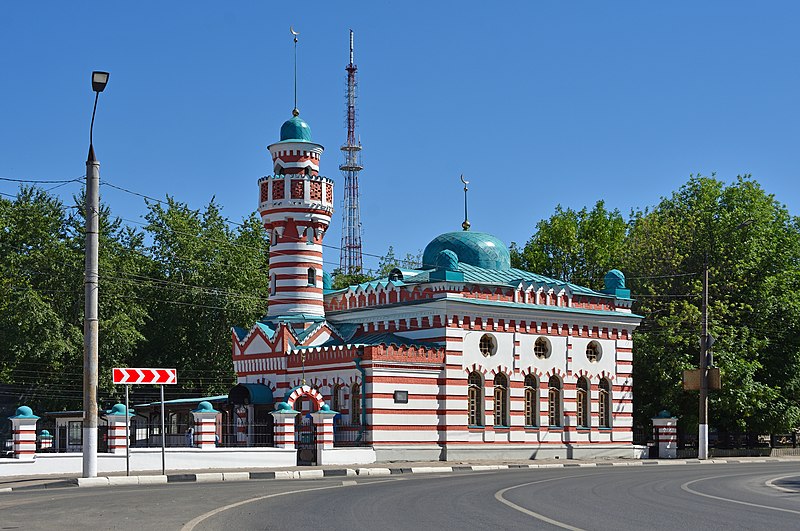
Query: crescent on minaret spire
{"x": 466, "y": 223}
{"x": 295, "y": 111}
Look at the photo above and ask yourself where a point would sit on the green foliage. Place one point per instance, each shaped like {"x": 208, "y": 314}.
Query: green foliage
{"x": 579, "y": 247}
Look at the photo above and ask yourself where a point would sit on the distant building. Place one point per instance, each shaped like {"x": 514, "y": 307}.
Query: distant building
{"x": 466, "y": 357}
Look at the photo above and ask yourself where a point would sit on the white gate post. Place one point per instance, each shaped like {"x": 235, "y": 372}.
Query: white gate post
{"x": 284, "y": 417}
{"x": 23, "y": 428}
{"x": 666, "y": 431}
{"x": 323, "y": 422}
{"x": 205, "y": 426}
{"x": 118, "y": 419}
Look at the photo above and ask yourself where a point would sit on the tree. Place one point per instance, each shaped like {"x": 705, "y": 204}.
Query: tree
{"x": 578, "y": 247}
{"x": 752, "y": 246}
{"x": 205, "y": 278}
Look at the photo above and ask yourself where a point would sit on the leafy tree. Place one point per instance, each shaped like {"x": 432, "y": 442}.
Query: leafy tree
{"x": 752, "y": 247}
{"x": 205, "y": 277}
{"x": 575, "y": 246}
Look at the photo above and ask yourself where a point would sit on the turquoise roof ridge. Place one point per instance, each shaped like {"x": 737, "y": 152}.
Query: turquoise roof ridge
{"x": 478, "y": 249}
{"x": 295, "y": 129}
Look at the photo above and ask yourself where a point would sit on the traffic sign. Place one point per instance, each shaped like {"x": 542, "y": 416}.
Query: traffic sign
{"x": 145, "y": 376}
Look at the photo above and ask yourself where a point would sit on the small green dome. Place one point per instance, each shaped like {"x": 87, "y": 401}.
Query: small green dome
{"x": 205, "y": 407}
{"x": 474, "y": 248}
{"x": 664, "y": 414}
{"x": 295, "y": 129}
{"x": 447, "y": 260}
{"x": 614, "y": 280}
{"x": 117, "y": 409}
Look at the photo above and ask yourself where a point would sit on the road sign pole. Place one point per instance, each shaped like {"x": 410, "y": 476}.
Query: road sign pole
{"x": 127, "y": 434}
{"x": 163, "y": 436}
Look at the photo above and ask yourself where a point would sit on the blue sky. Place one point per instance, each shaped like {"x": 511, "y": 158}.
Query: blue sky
{"x": 537, "y": 103}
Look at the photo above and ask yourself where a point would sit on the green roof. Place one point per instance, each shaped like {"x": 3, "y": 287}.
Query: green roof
{"x": 478, "y": 249}
{"x": 295, "y": 130}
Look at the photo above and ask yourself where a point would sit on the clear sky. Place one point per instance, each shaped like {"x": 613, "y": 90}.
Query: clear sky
{"x": 537, "y": 103}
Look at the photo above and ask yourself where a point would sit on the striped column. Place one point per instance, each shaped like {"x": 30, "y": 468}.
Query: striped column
{"x": 323, "y": 421}
{"x": 665, "y": 431}
{"x": 284, "y": 426}
{"x": 45, "y": 441}
{"x": 23, "y": 429}
{"x": 205, "y": 426}
{"x": 117, "y": 428}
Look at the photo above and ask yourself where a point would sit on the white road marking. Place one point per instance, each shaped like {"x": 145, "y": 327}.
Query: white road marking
{"x": 499, "y": 497}
{"x": 771, "y": 483}
{"x": 191, "y": 524}
{"x": 686, "y": 488}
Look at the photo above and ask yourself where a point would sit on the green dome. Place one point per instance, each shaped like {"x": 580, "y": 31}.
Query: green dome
{"x": 474, "y": 248}
{"x": 614, "y": 279}
{"x": 295, "y": 129}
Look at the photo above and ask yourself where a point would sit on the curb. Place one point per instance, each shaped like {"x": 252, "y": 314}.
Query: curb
{"x": 219, "y": 477}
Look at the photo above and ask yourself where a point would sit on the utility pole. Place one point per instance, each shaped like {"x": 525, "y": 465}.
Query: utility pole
{"x": 90, "y": 316}
{"x": 702, "y": 439}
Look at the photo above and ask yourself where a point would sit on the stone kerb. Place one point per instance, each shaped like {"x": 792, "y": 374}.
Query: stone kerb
{"x": 284, "y": 417}
{"x": 23, "y": 429}
{"x": 205, "y": 426}
{"x": 665, "y": 432}
{"x": 118, "y": 422}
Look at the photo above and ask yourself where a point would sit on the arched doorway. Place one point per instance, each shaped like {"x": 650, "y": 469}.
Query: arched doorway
{"x": 305, "y": 400}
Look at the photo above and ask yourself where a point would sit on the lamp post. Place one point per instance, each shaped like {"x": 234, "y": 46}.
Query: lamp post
{"x": 90, "y": 319}
{"x": 706, "y": 360}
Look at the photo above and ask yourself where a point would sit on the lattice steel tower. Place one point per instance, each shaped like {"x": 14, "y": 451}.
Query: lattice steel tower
{"x": 350, "y": 259}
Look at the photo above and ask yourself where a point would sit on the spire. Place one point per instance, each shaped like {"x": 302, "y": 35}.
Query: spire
{"x": 466, "y": 223}
{"x": 295, "y": 112}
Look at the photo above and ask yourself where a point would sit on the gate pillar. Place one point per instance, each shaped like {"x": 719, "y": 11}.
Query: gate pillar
{"x": 23, "y": 428}
{"x": 665, "y": 428}
{"x": 284, "y": 417}
{"x": 323, "y": 420}
{"x": 205, "y": 426}
{"x": 118, "y": 422}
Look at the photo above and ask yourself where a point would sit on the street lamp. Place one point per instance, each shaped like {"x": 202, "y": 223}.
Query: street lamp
{"x": 90, "y": 318}
{"x": 707, "y": 360}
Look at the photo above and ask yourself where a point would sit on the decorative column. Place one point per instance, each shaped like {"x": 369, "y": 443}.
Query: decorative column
{"x": 23, "y": 428}
{"x": 323, "y": 422}
{"x": 665, "y": 432}
{"x": 118, "y": 422}
{"x": 45, "y": 441}
{"x": 284, "y": 417}
{"x": 205, "y": 426}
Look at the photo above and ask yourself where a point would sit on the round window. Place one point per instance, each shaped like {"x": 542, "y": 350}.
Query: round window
{"x": 541, "y": 348}
{"x": 488, "y": 345}
{"x": 593, "y": 351}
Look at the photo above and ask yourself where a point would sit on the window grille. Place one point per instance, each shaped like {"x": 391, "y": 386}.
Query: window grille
{"x": 475, "y": 399}
{"x": 593, "y": 351}
{"x": 531, "y": 409}
{"x": 554, "y": 401}
{"x": 582, "y": 398}
{"x": 541, "y": 348}
{"x": 605, "y": 404}
{"x": 355, "y": 400}
{"x": 487, "y": 345}
{"x": 501, "y": 400}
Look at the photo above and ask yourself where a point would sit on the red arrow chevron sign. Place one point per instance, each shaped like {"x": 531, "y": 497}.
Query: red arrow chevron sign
{"x": 145, "y": 376}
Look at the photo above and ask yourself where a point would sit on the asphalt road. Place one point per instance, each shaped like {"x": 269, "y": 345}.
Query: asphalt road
{"x": 734, "y": 496}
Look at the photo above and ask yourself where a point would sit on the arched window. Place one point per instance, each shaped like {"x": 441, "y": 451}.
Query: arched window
{"x": 312, "y": 276}
{"x": 605, "y": 403}
{"x": 501, "y": 400}
{"x": 355, "y": 400}
{"x": 582, "y": 399}
{"x": 554, "y": 401}
{"x": 272, "y": 284}
{"x": 531, "y": 401}
{"x": 336, "y": 397}
{"x": 475, "y": 399}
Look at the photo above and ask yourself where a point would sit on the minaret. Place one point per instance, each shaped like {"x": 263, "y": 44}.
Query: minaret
{"x": 296, "y": 204}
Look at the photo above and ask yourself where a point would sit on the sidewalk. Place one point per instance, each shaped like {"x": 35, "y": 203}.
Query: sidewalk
{"x": 23, "y": 483}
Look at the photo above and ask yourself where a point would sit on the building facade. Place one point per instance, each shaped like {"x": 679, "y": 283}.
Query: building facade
{"x": 463, "y": 358}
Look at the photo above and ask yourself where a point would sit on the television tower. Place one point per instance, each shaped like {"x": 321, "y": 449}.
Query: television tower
{"x": 350, "y": 258}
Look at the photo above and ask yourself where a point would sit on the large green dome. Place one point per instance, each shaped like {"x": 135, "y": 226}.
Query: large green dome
{"x": 295, "y": 129}
{"x": 474, "y": 248}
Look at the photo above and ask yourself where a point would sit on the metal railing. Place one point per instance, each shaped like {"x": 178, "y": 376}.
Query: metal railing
{"x": 348, "y": 434}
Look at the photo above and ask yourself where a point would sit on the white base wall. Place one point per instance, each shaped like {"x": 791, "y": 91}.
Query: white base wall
{"x": 149, "y": 460}
{"x": 347, "y": 456}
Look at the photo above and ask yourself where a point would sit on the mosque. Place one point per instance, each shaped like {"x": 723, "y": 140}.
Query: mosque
{"x": 464, "y": 358}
